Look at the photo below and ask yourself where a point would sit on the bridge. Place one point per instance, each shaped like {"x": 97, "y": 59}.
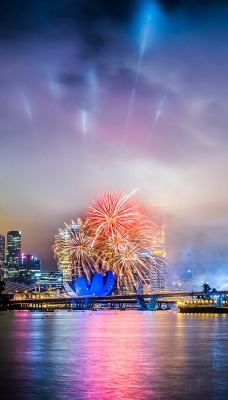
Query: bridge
{"x": 151, "y": 301}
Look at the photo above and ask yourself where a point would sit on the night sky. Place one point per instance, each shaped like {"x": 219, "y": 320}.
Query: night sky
{"x": 101, "y": 94}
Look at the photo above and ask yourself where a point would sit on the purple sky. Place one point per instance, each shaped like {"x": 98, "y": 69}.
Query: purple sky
{"x": 116, "y": 94}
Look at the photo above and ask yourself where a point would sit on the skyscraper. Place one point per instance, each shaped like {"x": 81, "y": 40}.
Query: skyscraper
{"x": 64, "y": 259}
{"x": 13, "y": 254}
{"x": 159, "y": 240}
{"x": 2, "y": 254}
{"x": 29, "y": 266}
{"x": 158, "y": 276}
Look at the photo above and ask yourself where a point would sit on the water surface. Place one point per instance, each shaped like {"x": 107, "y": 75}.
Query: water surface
{"x": 113, "y": 355}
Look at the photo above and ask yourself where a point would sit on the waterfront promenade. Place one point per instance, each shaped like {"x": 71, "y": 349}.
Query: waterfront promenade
{"x": 148, "y": 301}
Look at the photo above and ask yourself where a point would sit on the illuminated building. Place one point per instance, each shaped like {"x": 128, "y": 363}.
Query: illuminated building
{"x": 160, "y": 234}
{"x": 76, "y": 268}
{"x": 68, "y": 267}
{"x": 64, "y": 259}
{"x": 2, "y": 253}
{"x": 13, "y": 255}
{"x": 28, "y": 267}
{"x": 99, "y": 285}
{"x": 158, "y": 275}
{"x": 159, "y": 241}
{"x": 48, "y": 280}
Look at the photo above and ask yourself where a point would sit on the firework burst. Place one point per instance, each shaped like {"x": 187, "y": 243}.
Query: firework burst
{"x": 116, "y": 236}
{"x": 75, "y": 242}
{"x": 130, "y": 262}
{"x": 113, "y": 213}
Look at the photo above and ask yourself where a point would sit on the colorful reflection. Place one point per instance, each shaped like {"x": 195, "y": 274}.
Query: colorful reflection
{"x": 106, "y": 355}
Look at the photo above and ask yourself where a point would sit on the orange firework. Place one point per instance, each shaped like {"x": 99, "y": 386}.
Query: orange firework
{"x": 113, "y": 214}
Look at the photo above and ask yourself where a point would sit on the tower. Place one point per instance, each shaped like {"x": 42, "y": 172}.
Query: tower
{"x": 158, "y": 276}
{"x": 63, "y": 257}
{"x": 2, "y": 254}
{"x": 13, "y": 254}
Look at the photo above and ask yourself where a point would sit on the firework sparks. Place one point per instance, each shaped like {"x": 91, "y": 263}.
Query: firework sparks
{"x": 113, "y": 213}
{"x": 116, "y": 236}
{"x": 127, "y": 258}
{"x": 75, "y": 241}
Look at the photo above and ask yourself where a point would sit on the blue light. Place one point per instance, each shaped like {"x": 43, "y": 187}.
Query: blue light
{"x": 147, "y": 24}
{"x": 99, "y": 286}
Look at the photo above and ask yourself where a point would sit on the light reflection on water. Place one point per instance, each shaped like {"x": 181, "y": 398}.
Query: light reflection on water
{"x": 108, "y": 355}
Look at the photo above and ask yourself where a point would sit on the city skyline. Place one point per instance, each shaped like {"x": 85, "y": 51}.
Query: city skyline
{"x": 125, "y": 95}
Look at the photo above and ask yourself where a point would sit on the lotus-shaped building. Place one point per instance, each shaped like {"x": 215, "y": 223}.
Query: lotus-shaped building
{"x": 99, "y": 285}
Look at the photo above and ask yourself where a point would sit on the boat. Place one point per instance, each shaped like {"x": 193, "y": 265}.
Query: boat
{"x": 203, "y": 309}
